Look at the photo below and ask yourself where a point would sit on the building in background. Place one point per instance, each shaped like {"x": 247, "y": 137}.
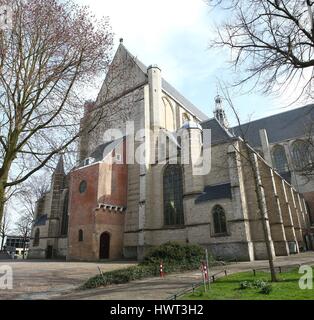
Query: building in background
{"x": 17, "y": 246}
{"x": 50, "y": 227}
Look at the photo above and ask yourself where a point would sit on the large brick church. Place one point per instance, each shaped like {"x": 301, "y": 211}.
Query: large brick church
{"x": 109, "y": 208}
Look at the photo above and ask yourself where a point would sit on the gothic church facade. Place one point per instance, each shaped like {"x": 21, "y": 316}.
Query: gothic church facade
{"x": 112, "y": 209}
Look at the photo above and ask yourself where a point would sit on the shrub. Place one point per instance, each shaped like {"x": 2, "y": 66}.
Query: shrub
{"x": 244, "y": 285}
{"x": 266, "y": 288}
{"x": 120, "y": 276}
{"x": 258, "y": 284}
{"x": 176, "y": 257}
{"x": 173, "y": 253}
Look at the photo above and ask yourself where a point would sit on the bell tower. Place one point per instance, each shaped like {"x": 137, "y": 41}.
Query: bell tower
{"x": 219, "y": 112}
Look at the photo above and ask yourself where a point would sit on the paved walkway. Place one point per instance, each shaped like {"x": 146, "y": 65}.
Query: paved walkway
{"x": 161, "y": 289}
{"x": 59, "y": 280}
{"x": 33, "y": 279}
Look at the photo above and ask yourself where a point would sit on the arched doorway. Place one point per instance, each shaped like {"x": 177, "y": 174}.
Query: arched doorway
{"x": 104, "y": 246}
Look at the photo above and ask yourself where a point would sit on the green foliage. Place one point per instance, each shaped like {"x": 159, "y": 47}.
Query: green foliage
{"x": 121, "y": 276}
{"x": 175, "y": 254}
{"x": 176, "y": 258}
{"x": 198, "y": 294}
{"x": 228, "y": 288}
{"x": 244, "y": 285}
{"x": 264, "y": 286}
{"x": 258, "y": 284}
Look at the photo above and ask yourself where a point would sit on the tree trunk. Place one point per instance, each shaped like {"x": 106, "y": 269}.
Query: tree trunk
{"x": 24, "y": 246}
{"x": 263, "y": 211}
{"x": 2, "y": 200}
{"x": 2, "y": 241}
{"x": 4, "y": 173}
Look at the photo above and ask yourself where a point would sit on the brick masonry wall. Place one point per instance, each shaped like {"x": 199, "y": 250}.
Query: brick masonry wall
{"x": 106, "y": 183}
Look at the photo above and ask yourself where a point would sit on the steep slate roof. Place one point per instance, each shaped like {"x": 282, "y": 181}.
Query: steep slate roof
{"x": 283, "y": 126}
{"x": 218, "y": 133}
{"x": 99, "y": 155}
{"x": 168, "y": 88}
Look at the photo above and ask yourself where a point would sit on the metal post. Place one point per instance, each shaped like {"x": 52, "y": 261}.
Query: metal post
{"x": 204, "y": 279}
{"x": 101, "y": 273}
{"x": 207, "y": 264}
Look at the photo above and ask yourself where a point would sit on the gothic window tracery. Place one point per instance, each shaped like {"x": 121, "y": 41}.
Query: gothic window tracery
{"x": 173, "y": 195}
{"x": 36, "y": 238}
{"x": 302, "y": 154}
{"x": 280, "y": 159}
{"x": 219, "y": 219}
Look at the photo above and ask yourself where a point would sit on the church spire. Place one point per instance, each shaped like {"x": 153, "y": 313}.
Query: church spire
{"x": 60, "y": 166}
{"x": 219, "y": 112}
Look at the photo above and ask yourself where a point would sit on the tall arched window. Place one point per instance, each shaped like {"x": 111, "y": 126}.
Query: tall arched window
{"x": 65, "y": 217}
{"x": 279, "y": 159}
{"x": 80, "y": 236}
{"x": 309, "y": 211}
{"x": 167, "y": 115}
{"x": 36, "y": 238}
{"x": 302, "y": 154}
{"x": 173, "y": 195}
{"x": 219, "y": 219}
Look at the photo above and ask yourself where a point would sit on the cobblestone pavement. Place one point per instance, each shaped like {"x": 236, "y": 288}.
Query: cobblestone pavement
{"x": 58, "y": 280}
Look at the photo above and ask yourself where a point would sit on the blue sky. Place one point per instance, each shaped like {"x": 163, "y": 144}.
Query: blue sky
{"x": 176, "y": 35}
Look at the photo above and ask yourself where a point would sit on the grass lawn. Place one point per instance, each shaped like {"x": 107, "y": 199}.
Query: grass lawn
{"x": 228, "y": 288}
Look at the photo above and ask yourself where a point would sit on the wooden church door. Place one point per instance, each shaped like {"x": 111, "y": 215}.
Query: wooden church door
{"x": 104, "y": 246}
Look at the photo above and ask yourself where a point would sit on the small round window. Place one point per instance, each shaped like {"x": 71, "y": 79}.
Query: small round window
{"x": 83, "y": 186}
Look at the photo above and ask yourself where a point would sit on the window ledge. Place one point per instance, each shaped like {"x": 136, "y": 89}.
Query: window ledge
{"x": 178, "y": 226}
{"x": 220, "y": 235}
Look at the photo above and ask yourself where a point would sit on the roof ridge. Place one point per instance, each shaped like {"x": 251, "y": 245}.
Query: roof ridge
{"x": 276, "y": 114}
{"x": 138, "y": 62}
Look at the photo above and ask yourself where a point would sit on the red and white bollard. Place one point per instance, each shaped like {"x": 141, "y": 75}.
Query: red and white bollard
{"x": 161, "y": 270}
{"x": 204, "y": 274}
{"x": 205, "y": 271}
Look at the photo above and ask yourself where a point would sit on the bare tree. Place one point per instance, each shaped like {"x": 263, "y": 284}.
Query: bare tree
{"x": 31, "y": 191}
{"x": 24, "y": 228}
{"x": 249, "y": 156}
{"x": 272, "y": 42}
{"x": 307, "y": 169}
{"x": 53, "y": 50}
